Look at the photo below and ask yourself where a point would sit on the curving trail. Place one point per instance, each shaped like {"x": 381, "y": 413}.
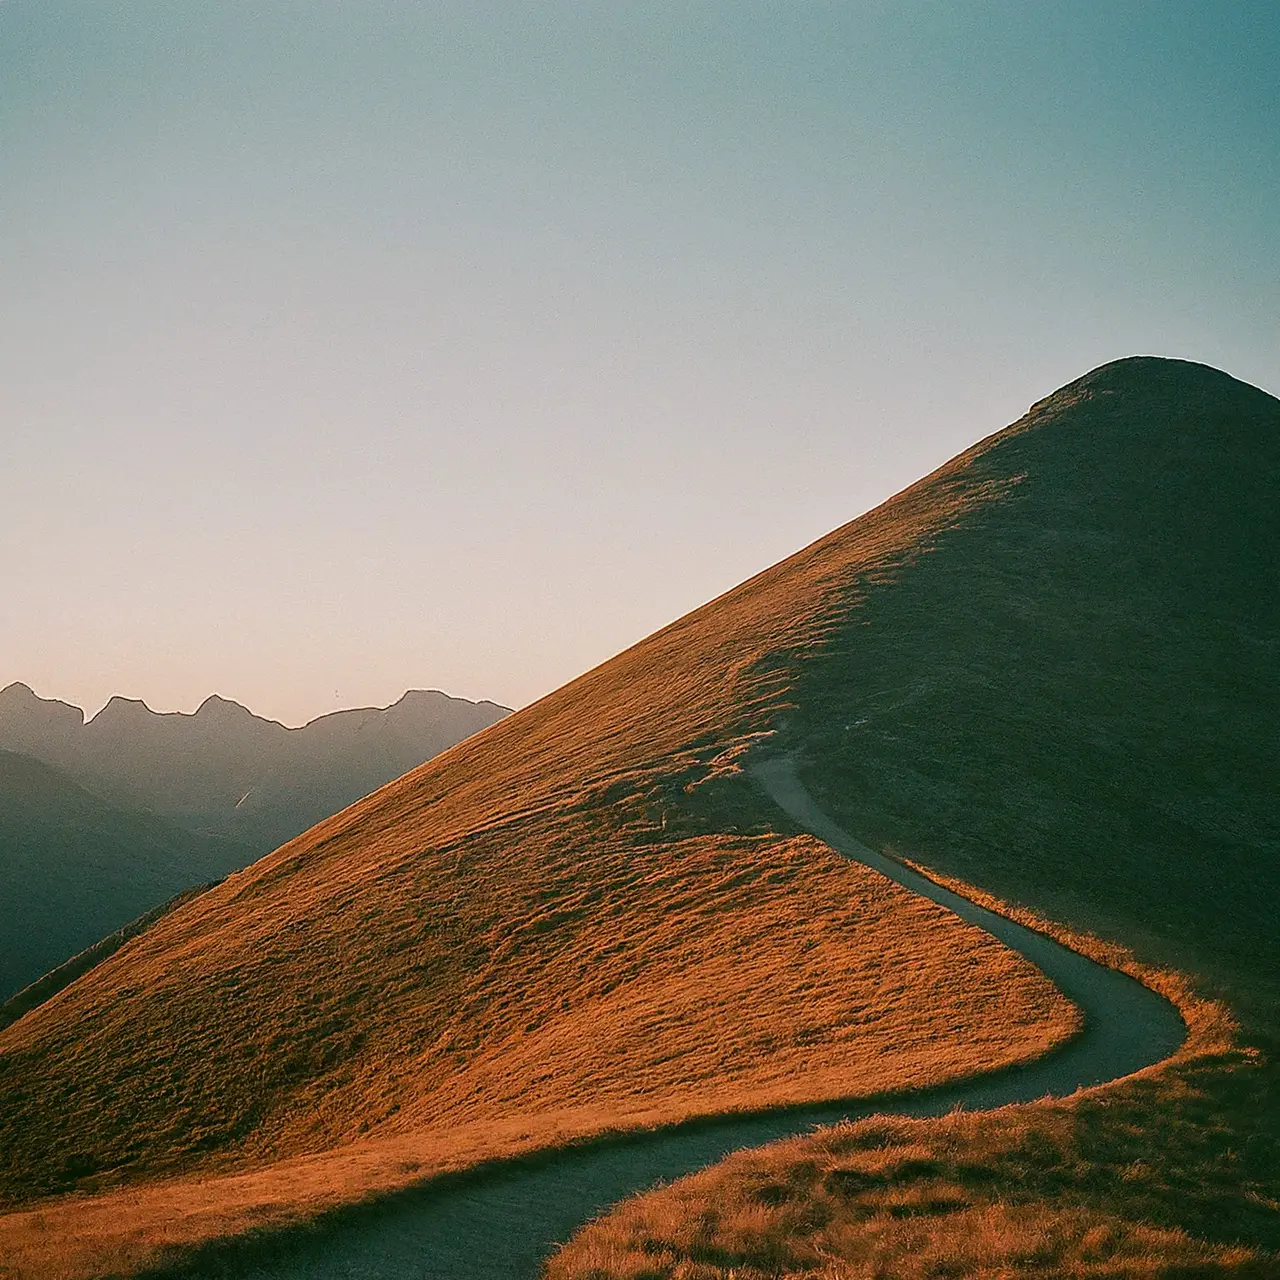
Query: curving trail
{"x": 500, "y": 1223}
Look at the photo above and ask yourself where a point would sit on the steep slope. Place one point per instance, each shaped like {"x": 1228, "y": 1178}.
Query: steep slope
{"x": 73, "y": 868}
{"x": 224, "y": 770}
{"x": 1074, "y": 699}
{"x": 587, "y": 916}
{"x": 584, "y": 918}
{"x": 1072, "y": 702}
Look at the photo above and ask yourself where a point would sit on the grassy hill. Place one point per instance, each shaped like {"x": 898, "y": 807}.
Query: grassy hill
{"x": 1048, "y": 668}
{"x": 1072, "y": 702}
{"x": 581, "y": 919}
{"x": 74, "y": 868}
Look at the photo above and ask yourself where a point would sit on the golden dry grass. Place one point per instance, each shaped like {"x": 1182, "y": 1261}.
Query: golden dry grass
{"x": 376, "y": 1001}
{"x": 887, "y": 1198}
{"x": 581, "y": 920}
{"x": 805, "y": 977}
{"x": 1093, "y": 1185}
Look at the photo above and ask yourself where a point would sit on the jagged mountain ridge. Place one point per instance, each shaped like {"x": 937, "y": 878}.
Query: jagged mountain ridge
{"x": 224, "y": 771}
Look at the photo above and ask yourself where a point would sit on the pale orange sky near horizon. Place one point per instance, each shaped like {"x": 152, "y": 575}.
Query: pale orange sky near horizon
{"x": 350, "y": 349}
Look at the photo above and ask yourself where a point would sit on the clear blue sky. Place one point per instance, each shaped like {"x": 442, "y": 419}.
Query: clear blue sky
{"x": 346, "y": 347}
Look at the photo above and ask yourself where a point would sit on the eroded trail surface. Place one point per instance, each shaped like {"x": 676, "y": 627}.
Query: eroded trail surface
{"x": 501, "y": 1223}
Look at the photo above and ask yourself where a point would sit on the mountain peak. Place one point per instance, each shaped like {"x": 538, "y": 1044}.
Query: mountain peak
{"x": 120, "y": 708}
{"x": 20, "y": 699}
{"x": 1162, "y": 368}
{"x": 411, "y": 696}
{"x": 217, "y": 707}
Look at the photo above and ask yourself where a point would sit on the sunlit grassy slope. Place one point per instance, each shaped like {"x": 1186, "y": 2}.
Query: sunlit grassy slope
{"x": 1048, "y": 668}
{"x": 584, "y": 918}
{"x": 1071, "y": 702}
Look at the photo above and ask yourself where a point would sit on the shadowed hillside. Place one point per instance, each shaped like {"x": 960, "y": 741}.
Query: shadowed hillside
{"x": 526, "y": 938}
{"x": 224, "y": 771}
{"x": 1072, "y": 702}
{"x": 73, "y": 868}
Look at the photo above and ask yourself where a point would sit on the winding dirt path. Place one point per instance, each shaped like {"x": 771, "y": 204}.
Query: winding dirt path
{"x": 500, "y": 1223}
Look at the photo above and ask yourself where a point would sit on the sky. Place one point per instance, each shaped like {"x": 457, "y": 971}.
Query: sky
{"x": 353, "y": 347}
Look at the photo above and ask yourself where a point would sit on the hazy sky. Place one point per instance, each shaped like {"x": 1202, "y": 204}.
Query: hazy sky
{"x": 347, "y": 347}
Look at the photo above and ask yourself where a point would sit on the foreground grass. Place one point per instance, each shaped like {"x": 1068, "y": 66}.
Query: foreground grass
{"x": 772, "y": 973}
{"x": 1167, "y": 1173}
{"x": 998, "y": 1195}
{"x": 579, "y": 921}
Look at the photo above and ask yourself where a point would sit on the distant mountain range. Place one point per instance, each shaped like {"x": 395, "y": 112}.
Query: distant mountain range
{"x": 223, "y": 770}
{"x": 104, "y": 820}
